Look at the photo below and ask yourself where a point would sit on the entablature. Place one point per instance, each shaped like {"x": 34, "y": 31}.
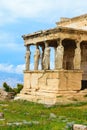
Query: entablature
{"x": 53, "y": 34}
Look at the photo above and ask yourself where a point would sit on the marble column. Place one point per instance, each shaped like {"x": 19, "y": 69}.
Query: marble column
{"x": 27, "y": 58}
{"x": 42, "y": 56}
{"x": 59, "y": 55}
{"x": 77, "y": 56}
{"x": 36, "y": 58}
{"x": 46, "y": 58}
{"x": 55, "y": 60}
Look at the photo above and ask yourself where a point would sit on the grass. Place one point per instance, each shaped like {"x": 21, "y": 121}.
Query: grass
{"x": 24, "y": 115}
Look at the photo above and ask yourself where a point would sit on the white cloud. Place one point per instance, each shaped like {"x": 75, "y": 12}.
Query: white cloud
{"x": 9, "y": 68}
{"x": 19, "y": 68}
{"x": 12, "y": 69}
{"x": 11, "y": 10}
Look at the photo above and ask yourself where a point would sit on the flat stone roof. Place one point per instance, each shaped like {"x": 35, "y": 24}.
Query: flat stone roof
{"x": 77, "y": 18}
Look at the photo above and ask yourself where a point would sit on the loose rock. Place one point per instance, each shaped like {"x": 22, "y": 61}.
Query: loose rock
{"x": 52, "y": 115}
{"x": 1, "y": 115}
{"x": 79, "y": 127}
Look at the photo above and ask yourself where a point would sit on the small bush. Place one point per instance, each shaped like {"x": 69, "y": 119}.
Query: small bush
{"x": 7, "y": 88}
{"x": 16, "y": 90}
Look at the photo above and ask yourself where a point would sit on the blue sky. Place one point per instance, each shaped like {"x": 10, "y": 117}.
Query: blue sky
{"x": 18, "y": 17}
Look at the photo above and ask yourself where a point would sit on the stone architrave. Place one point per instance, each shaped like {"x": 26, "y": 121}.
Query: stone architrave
{"x": 46, "y": 58}
{"x": 36, "y": 58}
{"x": 27, "y": 58}
{"x": 77, "y": 56}
{"x": 59, "y": 57}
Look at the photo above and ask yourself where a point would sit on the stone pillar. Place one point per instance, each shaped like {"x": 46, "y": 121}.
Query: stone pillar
{"x": 59, "y": 55}
{"x": 77, "y": 56}
{"x": 55, "y": 60}
{"x": 46, "y": 58}
{"x": 42, "y": 56}
{"x": 36, "y": 58}
{"x": 27, "y": 58}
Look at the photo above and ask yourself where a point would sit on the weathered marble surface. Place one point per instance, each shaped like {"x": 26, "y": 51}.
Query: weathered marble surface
{"x": 59, "y": 57}
{"x": 77, "y": 57}
{"x": 27, "y": 58}
{"x": 46, "y": 58}
{"x": 44, "y": 86}
{"x": 36, "y": 58}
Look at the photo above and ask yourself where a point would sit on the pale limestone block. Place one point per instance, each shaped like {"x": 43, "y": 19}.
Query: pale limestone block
{"x": 53, "y": 84}
{"x": 34, "y": 80}
{"x": 70, "y": 80}
{"x": 63, "y": 81}
{"x": 42, "y": 79}
{"x": 27, "y": 80}
{"x": 79, "y": 127}
{"x": 74, "y": 81}
{"x": 53, "y": 75}
{"x": 44, "y": 87}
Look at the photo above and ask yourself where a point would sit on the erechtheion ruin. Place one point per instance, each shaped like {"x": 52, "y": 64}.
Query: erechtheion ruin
{"x": 69, "y": 75}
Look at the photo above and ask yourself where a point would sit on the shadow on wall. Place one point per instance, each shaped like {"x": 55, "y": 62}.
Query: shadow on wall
{"x": 84, "y": 84}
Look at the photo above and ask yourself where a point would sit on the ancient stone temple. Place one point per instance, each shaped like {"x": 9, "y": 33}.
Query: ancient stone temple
{"x": 69, "y": 75}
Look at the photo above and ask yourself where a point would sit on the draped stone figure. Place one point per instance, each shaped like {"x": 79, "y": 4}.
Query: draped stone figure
{"x": 42, "y": 55}
{"x": 36, "y": 58}
{"x": 46, "y": 58}
{"x": 77, "y": 57}
{"x": 55, "y": 57}
{"x": 27, "y": 58}
{"x": 59, "y": 57}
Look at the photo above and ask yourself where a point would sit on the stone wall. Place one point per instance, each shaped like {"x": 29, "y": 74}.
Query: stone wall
{"x": 44, "y": 86}
{"x": 79, "y": 22}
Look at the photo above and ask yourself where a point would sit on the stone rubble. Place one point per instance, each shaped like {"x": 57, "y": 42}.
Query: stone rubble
{"x": 79, "y": 127}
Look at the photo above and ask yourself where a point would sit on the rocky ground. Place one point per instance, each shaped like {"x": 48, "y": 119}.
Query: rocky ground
{"x": 5, "y": 95}
{"x": 72, "y": 96}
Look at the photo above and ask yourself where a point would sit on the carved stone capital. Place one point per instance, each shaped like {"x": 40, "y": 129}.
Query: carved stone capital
{"x": 77, "y": 55}
{"x": 77, "y": 43}
{"x": 59, "y": 41}
{"x": 27, "y": 48}
{"x": 46, "y": 44}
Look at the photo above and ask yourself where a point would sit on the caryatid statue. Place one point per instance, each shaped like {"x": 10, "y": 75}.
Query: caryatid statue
{"x": 36, "y": 58}
{"x": 77, "y": 56}
{"x": 46, "y": 58}
{"x": 59, "y": 56}
{"x": 27, "y": 58}
{"x": 42, "y": 56}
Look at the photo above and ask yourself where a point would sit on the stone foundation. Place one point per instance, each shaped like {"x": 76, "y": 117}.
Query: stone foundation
{"x": 45, "y": 86}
